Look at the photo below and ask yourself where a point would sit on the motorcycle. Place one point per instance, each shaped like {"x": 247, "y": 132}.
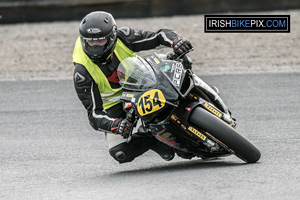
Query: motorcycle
{"x": 180, "y": 109}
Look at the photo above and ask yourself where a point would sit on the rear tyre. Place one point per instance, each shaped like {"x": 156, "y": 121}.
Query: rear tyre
{"x": 208, "y": 122}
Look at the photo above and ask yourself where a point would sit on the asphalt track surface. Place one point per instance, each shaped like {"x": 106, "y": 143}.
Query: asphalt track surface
{"x": 49, "y": 151}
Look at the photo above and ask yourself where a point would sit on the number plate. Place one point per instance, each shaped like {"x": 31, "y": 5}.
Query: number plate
{"x": 151, "y": 101}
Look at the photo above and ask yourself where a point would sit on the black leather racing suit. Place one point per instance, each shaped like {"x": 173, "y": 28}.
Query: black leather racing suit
{"x": 87, "y": 89}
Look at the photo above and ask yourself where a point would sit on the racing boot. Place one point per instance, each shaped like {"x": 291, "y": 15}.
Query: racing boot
{"x": 184, "y": 155}
{"x": 167, "y": 153}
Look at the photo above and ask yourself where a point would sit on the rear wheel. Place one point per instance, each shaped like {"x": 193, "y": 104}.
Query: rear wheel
{"x": 242, "y": 148}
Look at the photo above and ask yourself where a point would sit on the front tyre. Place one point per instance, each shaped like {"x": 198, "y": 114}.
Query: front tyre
{"x": 242, "y": 148}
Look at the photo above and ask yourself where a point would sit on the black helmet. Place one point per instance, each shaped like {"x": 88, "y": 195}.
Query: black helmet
{"x": 98, "y": 35}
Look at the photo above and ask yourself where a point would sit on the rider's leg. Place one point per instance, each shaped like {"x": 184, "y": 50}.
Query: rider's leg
{"x": 123, "y": 152}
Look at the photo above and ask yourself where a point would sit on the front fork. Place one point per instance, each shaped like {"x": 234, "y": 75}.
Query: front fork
{"x": 224, "y": 114}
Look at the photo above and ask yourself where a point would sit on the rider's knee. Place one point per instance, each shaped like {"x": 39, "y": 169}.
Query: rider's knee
{"x": 121, "y": 153}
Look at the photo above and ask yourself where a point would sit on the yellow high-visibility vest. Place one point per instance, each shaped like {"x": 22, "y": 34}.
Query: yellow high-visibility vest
{"x": 109, "y": 95}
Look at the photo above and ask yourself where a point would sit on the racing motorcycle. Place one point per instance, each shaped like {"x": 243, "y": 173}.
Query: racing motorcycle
{"x": 180, "y": 109}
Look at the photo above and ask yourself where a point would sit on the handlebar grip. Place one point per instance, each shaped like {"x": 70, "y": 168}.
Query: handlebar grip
{"x": 131, "y": 116}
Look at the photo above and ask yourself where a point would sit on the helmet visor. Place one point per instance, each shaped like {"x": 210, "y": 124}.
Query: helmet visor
{"x": 95, "y": 45}
{"x": 97, "y": 42}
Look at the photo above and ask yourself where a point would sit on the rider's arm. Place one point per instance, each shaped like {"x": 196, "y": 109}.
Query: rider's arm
{"x": 138, "y": 40}
{"x": 88, "y": 93}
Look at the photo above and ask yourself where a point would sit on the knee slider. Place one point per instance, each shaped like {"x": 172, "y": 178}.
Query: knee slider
{"x": 120, "y": 156}
{"x": 121, "y": 153}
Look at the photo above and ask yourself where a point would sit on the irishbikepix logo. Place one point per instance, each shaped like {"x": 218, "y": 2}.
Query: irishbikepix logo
{"x": 246, "y": 23}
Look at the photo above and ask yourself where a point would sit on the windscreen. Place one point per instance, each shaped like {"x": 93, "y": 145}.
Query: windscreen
{"x": 136, "y": 74}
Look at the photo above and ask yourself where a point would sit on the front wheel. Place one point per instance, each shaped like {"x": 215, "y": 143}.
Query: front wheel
{"x": 242, "y": 148}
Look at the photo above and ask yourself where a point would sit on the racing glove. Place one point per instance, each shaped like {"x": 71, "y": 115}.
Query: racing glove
{"x": 181, "y": 45}
{"x": 122, "y": 127}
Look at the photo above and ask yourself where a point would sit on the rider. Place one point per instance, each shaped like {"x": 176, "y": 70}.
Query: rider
{"x": 99, "y": 49}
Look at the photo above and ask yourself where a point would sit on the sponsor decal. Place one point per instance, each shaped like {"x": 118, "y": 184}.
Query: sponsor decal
{"x": 197, "y": 133}
{"x": 193, "y": 97}
{"x": 166, "y": 68}
{"x": 213, "y": 110}
{"x": 79, "y": 78}
{"x": 130, "y": 95}
{"x": 177, "y": 74}
{"x": 156, "y": 60}
{"x": 93, "y": 30}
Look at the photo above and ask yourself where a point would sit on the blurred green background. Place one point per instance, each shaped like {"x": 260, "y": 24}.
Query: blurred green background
{"x": 18, "y": 11}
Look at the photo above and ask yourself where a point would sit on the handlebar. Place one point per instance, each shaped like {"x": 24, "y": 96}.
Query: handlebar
{"x": 132, "y": 119}
{"x": 186, "y": 61}
{"x": 174, "y": 56}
